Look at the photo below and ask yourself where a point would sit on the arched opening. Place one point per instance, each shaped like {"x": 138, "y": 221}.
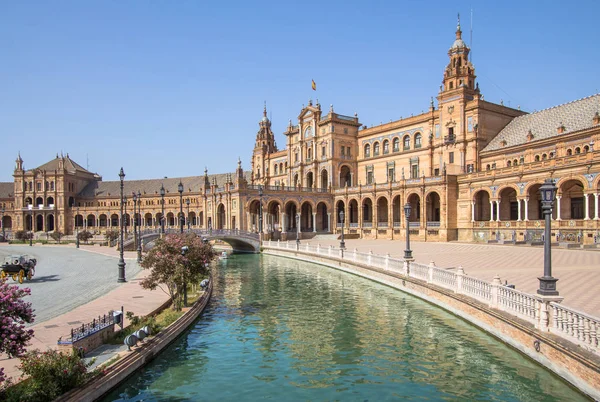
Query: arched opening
{"x": 367, "y": 151}
{"x": 306, "y": 217}
{"x": 193, "y": 220}
{"x": 7, "y": 222}
{"x": 352, "y": 213}
{"x": 397, "y": 211}
{"x": 433, "y": 209}
{"x": 386, "y": 147}
{"x": 406, "y": 142}
{"x": 148, "y": 220}
{"x": 290, "y": 213}
{"x": 50, "y": 223}
{"x": 170, "y": 219}
{"x": 50, "y": 202}
{"x": 272, "y": 218}
{"x": 28, "y": 223}
{"x": 572, "y": 202}
{"x": 418, "y": 139}
{"x": 396, "y": 144}
{"x": 345, "y": 176}
{"x": 324, "y": 179}
{"x": 137, "y": 219}
{"x": 309, "y": 180}
{"x": 28, "y": 201}
{"x": 482, "y": 206}
{"x": 367, "y": 208}
{"x": 71, "y": 201}
{"x": 322, "y": 223}
{"x": 382, "y": 212}
{"x": 509, "y": 206}
{"x": 39, "y": 201}
{"x": 102, "y": 220}
{"x": 376, "y": 149}
{"x": 159, "y": 219}
{"x": 39, "y": 223}
{"x": 221, "y": 218}
{"x": 201, "y": 219}
{"x": 339, "y": 207}
{"x": 127, "y": 222}
{"x": 296, "y": 182}
{"x": 90, "y": 221}
{"x": 415, "y": 210}
{"x": 114, "y": 220}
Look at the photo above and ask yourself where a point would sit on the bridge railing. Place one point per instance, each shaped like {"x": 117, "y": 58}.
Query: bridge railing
{"x": 578, "y": 327}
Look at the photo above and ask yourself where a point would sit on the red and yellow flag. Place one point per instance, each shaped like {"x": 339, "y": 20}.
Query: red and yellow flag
{"x": 314, "y": 85}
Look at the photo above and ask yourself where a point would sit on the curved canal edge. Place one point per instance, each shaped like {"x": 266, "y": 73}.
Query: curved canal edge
{"x": 137, "y": 358}
{"x": 578, "y": 367}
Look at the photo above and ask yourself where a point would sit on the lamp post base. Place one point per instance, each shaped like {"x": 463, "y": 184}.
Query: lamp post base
{"x": 121, "y": 266}
{"x": 408, "y": 255}
{"x": 547, "y": 286}
{"x": 342, "y": 244}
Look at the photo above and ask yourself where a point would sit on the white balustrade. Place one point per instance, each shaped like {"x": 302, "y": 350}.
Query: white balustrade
{"x": 578, "y": 327}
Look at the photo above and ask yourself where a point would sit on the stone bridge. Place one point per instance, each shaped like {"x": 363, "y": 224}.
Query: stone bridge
{"x": 239, "y": 240}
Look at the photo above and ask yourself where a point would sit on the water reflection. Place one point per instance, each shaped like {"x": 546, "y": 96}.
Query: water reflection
{"x": 287, "y": 330}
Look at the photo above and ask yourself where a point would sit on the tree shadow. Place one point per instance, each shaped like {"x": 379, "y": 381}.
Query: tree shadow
{"x": 47, "y": 278}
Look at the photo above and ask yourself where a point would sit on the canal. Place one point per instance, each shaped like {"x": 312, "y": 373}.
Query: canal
{"x": 281, "y": 329}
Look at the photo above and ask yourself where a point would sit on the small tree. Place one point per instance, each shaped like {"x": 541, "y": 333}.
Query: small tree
{"x": 84, "y": 236}
{"x": 111, "y": 235}
{"x": 14, "y": 314}
{"x": 170, "y": 268}
{"x": 23, "y": 235}
{"x": 57, "y": 235}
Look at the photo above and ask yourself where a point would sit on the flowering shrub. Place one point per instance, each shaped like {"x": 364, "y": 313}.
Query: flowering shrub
{"x": 171, "y": 268}
{"x": 51, "y": 374}
{"x": 14, "y": 314}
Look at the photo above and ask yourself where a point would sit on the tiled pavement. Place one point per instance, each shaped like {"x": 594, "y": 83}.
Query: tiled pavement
{"x": 86, "y": 303}
{"x": 578, "y": 271}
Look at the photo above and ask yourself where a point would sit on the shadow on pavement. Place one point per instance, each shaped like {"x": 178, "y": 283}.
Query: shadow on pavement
{"x": 47, "y": 278}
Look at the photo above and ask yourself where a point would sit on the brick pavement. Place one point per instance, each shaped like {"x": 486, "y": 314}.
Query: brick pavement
{"x": 130, "y": 295}
{"x": 577, "y": 270}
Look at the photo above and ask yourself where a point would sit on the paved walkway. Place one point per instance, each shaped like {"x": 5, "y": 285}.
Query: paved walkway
{"x": 130, "y": 295}
{"x": 578, "y": 271}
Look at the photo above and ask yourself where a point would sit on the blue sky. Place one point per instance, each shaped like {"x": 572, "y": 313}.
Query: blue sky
{"x": 164, "y": 88}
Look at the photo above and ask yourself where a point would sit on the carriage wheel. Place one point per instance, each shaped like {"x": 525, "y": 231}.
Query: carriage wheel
{"x": 29, "y": 274}
{"x": 14, "y": 276}
{"x": 2, "y": 275}
{"x": 21, "y": 276}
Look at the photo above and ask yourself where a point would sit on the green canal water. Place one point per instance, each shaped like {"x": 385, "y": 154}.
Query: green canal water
{"x": 283, "y": 330}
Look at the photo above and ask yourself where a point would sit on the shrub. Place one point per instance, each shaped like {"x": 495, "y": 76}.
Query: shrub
{"x": 51, "y": 374}
{"x": 57, "y": 235}
{"x": 23, "y": 235}
{"x": 84, "y": 236}
{"x": 111, "y": 235}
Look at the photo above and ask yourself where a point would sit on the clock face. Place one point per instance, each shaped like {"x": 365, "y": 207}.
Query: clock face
{"x": 308, "y": 132}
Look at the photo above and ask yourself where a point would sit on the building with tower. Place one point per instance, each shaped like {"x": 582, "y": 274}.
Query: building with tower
{"x": 469, "y": 168}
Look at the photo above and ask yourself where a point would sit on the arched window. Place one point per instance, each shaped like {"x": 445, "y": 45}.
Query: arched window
{"x": 577, "y": 151}
{"x": 515, "y": 162}
{"x": 281, "y": 168}
{"x": 396, "y": 144}
{"x": 376, "y": 149}
{"x": 275, "y": 169}
{"x": 487, "y": 167}
{"x": 537, "y": 158}
{"x": 569, "y": 152}
{"x": 509, "y": 164}
{"x": 309, "y": 154}
{"x": 386, "y": 147}
{"x": 367, "y": 150}
{"x": 418, "y": 140}
{"x": 406, "y": 142}
{"x": 544, "y": 157}
{"x": 52, "y": 185}
{"x": 586, "y": 149}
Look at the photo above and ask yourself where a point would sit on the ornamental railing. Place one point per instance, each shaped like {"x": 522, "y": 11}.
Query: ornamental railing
{"x": 580, "y": 328}
{"x": 97, "y": 324}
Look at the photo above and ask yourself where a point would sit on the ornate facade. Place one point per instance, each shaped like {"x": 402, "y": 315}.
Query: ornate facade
{"x": 469, "y": 168}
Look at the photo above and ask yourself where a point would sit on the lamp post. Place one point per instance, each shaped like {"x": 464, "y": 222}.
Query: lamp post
{"x": 139, "y": 244}
{"x": 124, "y": 202}
{"x": 162, "y": 213}
{"x": 260, "y": 212}
{"x": 121, "y": 263}
{"x": 187, "y": 202}
{"x": 408, "y": 252}
{"x": 135, "y": 226}
{"x": 297, "y": 230}
{"x": 342, "y": 242}
{"x": 76, "y": 229}
{"x": 31, "y": 232}
{"x": 547, "y": 282}
{"x": 180, "y": 189}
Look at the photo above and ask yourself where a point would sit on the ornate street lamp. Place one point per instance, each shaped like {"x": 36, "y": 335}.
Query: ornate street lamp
{"x": 342, "y": 242}
{"x": 162, "y": 214}
{"x": 260, "y": 211}
{"x": 187, "y": 202}
{"x": 76, "y": 229}
{"x": 124, "y": 201}
{"x": 121, "y": 263}
{"x": 180, "y": 189}
{"x": 297, "y": 230}
{"x": 408, "y": 252}
{"x": 139, "y": 244}
{"x": 547, "y": 282}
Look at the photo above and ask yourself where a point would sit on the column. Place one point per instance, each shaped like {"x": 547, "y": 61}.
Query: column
{"x": 329, "y": 222}
{"x": 314, "y": 221}
{"x": 248, "y": 222}
{"x": 472, "y": 211}
{"x": 518, "y": 210}
{"x": 526, "y": 209}
{"x": 497, "y": 210}
{"x": 596, "y": 206}
{"x": 558, "y": 197}
{"x": 587, "y": 207}
{"x": 283, "y": 221}
{"x": 491, "y": 211}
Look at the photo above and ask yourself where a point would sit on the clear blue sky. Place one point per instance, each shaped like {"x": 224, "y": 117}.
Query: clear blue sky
{"x": 164, "y": 88}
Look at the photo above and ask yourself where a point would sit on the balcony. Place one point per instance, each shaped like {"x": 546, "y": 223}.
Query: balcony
{"x": 449, "y": 139}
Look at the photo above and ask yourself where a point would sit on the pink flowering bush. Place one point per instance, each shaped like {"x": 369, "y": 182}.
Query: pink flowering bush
{"x": 14, "y": 314}
{"x": 170, "y": 269}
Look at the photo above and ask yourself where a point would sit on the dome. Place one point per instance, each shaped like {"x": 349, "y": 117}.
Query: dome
{"x": 459, "y": 43}
{"x": 264, "y": 119}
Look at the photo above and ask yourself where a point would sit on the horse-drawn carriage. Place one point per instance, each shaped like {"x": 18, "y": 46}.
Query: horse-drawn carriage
{"x": 18, "y": 267}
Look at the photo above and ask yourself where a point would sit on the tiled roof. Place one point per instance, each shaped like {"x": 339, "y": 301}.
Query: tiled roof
{"x": 7, "y": 190}
{"x": 574, "y": 116}
{"x": 152, "y": 186}
{"x": 69, "y": 164}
